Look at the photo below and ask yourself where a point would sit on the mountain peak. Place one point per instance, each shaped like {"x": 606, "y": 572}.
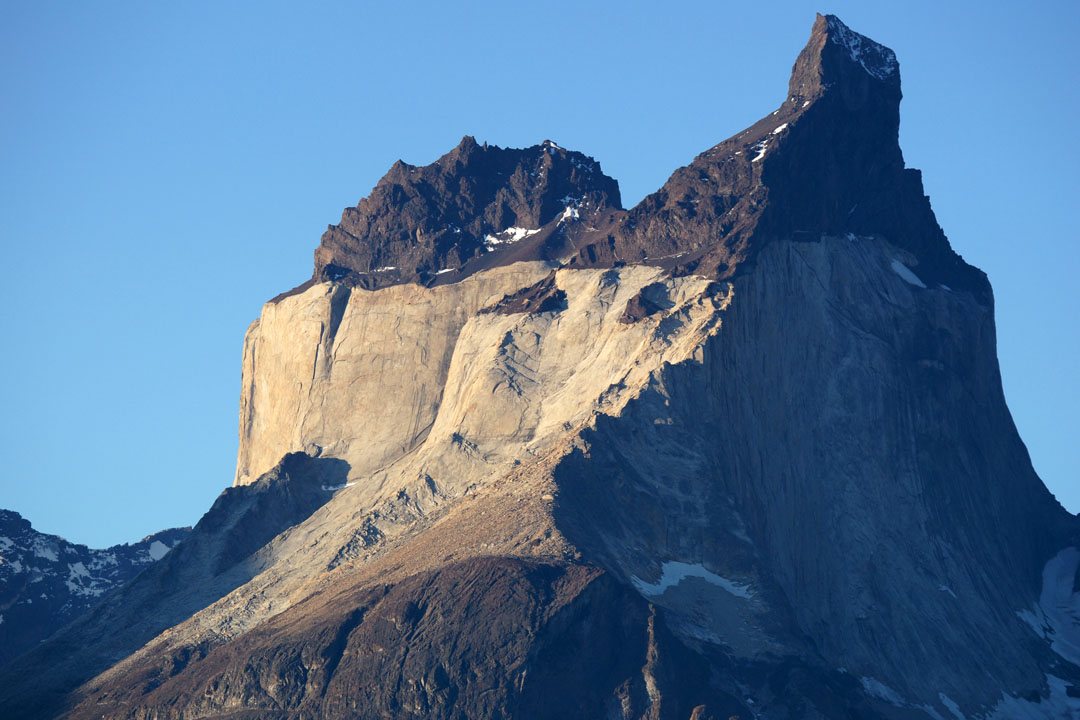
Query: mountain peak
{"x": 423, "y": 224}
{"x": 874, "y": 57}
{"x": 838, "y": 57}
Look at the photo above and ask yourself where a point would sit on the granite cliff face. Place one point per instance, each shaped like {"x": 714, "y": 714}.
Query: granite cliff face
{"x": 741, "y": 450}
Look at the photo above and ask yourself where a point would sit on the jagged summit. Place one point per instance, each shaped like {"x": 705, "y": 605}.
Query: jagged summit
{"x": 422, "y": 222}
{"x": 834, "y": 54}
{"x": 875, "y": 58}
{"x": 827, "y": 161}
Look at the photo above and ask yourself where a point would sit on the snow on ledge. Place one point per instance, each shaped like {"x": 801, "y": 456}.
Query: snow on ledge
{"x": 507, "y": 236}
{"x": 673, "y": 573}
{"x": 1057, "y": 616}
{"x": 905, "y": 272}
{"x": 761, "y": 148}
{"x": 158, "y": 550}
{"x": 876, "y": 59}
{"x": 1059, "y": 704}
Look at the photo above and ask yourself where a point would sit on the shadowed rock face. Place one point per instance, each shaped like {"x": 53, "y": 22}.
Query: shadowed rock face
{"x": 46, "y": 581}
{"x": 740, "y": 450}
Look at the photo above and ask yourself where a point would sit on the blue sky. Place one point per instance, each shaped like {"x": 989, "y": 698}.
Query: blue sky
{"x": 167, "y": 168}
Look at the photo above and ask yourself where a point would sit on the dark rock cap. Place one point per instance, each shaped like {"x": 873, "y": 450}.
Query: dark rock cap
{"x": 475, "y": 200}
{"x": 826, "y": 162}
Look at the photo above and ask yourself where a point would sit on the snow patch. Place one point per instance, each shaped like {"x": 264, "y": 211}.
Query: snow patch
{"x": 908, "y": 276}
{"x": 332, "y": 488}
{"x": 570, "y": 213}
{"x": 780, "y": 129}
{"x": 158, "y": 550}
{"x": 507, "y": 236}
{"x": 44, "y": 551}
{"x": 877, "y": 60}
{"x": 1056, "y": 618}
{"x": 388, "y": 268}
{"x": 880, "y": 690}
{"x": 673, "y": 573}
{"x": 15, "y": 565}
{"x": 761, "y": 147}
{"x": 951, "y": 706}
{"x": 81, "y": 582}
{"x": 444, "y": 270}
{"x": 102, "y": 559}
{"x": 1057, "y": 705}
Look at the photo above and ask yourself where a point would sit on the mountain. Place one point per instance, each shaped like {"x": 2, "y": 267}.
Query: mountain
{"x": 46, "y": 581}
{"x": 516, "y": 451}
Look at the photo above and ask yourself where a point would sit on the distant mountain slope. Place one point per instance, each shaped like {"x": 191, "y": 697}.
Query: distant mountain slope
{"x": 46, "y": 581}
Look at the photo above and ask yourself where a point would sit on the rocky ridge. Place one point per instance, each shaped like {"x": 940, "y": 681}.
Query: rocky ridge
{"x": 758, "y": 415}
{"x": 46, "y": 581}
{"x": 441, "y": 222}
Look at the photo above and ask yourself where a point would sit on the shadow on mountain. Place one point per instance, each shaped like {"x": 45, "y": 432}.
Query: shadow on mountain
{"x": 488, "y": 637}
{"x": 219, "y": 556}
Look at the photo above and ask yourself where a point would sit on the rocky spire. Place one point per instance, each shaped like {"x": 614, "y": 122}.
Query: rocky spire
{"x": 838, "y": 57}
{"x": 826, "y": 162}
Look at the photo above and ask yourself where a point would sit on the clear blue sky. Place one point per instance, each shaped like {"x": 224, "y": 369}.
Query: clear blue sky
{"x": 168, "y": 167}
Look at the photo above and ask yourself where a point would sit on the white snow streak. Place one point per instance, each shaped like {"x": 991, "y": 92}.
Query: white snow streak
{"x": 880, "y": 690}
{"x": 905, "y": 272}
{"x": 1057, "y": 616}
{"x": 331, "y": 488}
{"x": 507, "y": 236}
{"x": 673, "y": 573}
{"x": 946, "y": 589}
{"x": 878, "y": 60}
{"x": 761, "y": 147}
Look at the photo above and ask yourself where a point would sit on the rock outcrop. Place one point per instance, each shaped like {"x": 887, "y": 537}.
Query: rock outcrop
{"x": 741, "y": 450}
